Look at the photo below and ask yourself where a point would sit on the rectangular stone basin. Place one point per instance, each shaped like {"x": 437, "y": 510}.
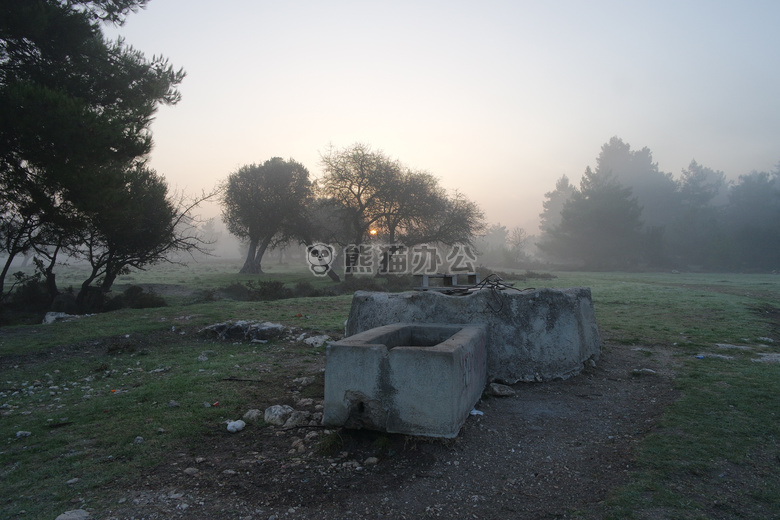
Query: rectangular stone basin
{"x": 414, "y": 379}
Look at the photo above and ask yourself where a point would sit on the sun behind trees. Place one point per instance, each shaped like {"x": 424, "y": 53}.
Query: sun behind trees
{"x": 362, "y": 195}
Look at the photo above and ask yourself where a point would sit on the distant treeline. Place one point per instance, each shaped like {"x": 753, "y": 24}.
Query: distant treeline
{"x": 626, "y": 213}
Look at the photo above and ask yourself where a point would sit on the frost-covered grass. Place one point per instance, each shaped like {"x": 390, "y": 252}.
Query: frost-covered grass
{"x": 86, "y": 389}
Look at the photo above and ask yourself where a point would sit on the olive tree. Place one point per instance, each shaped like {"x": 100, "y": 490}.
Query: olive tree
{"x": 266, "y": 205}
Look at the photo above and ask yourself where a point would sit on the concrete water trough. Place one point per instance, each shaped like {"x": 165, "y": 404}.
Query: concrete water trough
{"x": 414, "y": 379}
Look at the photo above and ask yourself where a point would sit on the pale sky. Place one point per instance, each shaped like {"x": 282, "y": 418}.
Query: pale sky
{"x": 497, "y": 99}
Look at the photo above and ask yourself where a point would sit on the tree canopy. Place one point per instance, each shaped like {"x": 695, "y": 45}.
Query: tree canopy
{"x": 75, "y": 136}
{"x": 700, "y": 220}
{"x": 600, "y": 224}
{"x": 400, "y": 205}
{"x": 266, "y": 204}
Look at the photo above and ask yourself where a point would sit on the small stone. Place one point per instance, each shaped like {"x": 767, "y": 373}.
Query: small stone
{"x": 371, "y": 461}
{"x": 643, "y": 372}
{"x": 199, "y": 460}
{"x": 229, "y": 472}
{"x": 206, "y": 405}
{"x": 277, "y": 414}
{"x": 316, "y": 341}
{"x": 253, "y": 415}
{"x": 191, "y": 471}
{"x": 303, "y": 403}
{"x": 767, "y": 358}
{"x": 713, "y": 356}
{"x": 173, "y": 404}
{"x": 297, "y": 418}
{"x": 138, "y": 440}
{"x": 22, "y": 433}
{"x": 499, "y": 390}
{"x": 303, "y": 381}
{"x": 235, "y": 426}
{"x": 76, "y": 514}
{"x": 72, "y": 481}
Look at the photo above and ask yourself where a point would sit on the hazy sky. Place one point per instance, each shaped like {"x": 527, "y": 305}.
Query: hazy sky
{"x": 497, "y": 99}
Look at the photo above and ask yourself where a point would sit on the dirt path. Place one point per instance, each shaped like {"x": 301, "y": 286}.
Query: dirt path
{"x": 553, "y": 450}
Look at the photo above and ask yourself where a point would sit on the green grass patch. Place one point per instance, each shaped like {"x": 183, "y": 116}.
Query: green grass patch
{"x": 87, "y": 389}
{"x": 716, "y": 453}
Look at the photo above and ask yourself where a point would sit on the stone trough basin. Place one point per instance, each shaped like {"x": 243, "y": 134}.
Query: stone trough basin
{"x": 414, "y": 379}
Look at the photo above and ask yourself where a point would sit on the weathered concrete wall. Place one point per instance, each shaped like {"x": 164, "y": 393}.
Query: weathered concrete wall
{"x": 535, "y": 335}
{"x": 414, "y": 379}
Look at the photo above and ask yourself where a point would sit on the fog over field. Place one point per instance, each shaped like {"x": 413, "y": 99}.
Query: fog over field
{"x": 497, "y": 99}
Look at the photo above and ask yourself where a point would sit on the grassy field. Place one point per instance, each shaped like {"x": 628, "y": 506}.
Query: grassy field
{"x": 88, "y": 405}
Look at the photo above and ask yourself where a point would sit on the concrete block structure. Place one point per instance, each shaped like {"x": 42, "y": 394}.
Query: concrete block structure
{"x": 533, "y": 335}
{"x": 415, "y": 379}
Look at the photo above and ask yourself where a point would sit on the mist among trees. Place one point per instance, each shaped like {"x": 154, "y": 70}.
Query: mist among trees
{"x": 74, "y": 142}
{"x": 363, "y": 195}
{"x": 626, "y": 213}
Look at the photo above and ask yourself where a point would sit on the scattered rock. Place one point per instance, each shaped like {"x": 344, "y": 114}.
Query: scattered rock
{"x": 138, "y": 440}
{"x": 317, "y": 341}
{"x": 76, "y": 514}
{"x": 371, "y": 461}
{"x": 643, "y": 372}
{"x": 297, "y": 418}
{"x": 245, "y": 330}
{"x": 253, "y": 415}
{"x": 229, "y": 472}
{"x": 303, "y": 381}
{"x": 499, "y": 390}
{"x": 714, "y": 356}
{"x": 732, "y": 347}
{"x": 173, "y": 404}
{"x": 22, "y": 433}
{"x": 303, "y": 403}
{"x": 191, "y": 471}
{"x": 766, "y": 340}
{"x": 72, "y": 481}
{"x": 235, "y": 426}
{"x": 277, "y": 414}
{"x": 767, "y": 358}
{"x": 52, "y": 317}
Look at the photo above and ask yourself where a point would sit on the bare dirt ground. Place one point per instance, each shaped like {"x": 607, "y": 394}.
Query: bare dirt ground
{"x": 555, "y": 450}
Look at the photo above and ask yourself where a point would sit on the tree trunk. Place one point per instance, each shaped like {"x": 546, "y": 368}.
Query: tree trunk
{"x": 333, "y": 276}
{"x": 108, "y": 280}
{"x": 351, "y": 261}
{"x": 3, "y": 274}
{"x": 249, "y": 264}
{"x": 254, "y": 258}
{"x": 51, "y": 283}
{"x": 260, "y": 252}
